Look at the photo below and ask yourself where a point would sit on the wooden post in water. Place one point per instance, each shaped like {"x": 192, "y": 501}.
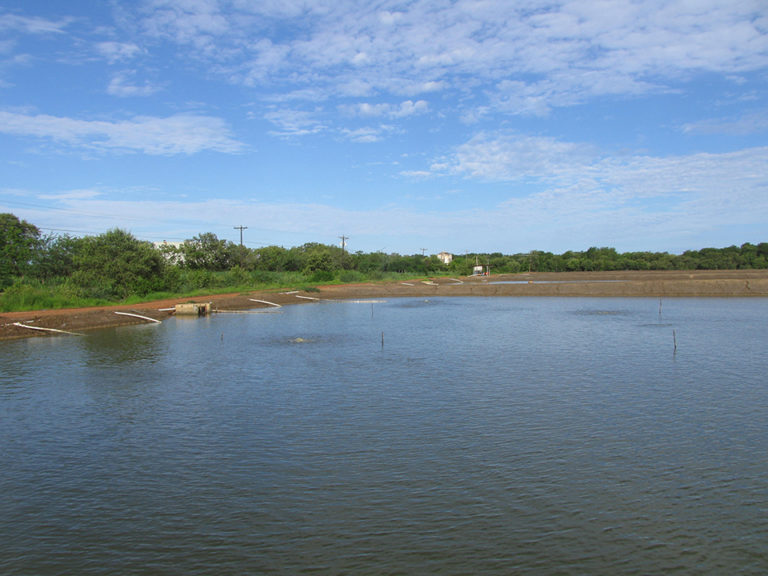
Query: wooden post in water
{"x": 674, "y": 341}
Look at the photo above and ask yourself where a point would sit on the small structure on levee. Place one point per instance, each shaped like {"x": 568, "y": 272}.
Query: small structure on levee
{"x": 194, "y": 309}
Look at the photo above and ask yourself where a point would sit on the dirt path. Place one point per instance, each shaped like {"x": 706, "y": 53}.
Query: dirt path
{"x": 728, "y": 283}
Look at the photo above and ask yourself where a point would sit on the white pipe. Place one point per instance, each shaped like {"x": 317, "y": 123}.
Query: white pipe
{"x": 20, "y": 325}
{"x": 138, "y": 316}
{"x": 265, "y": 302}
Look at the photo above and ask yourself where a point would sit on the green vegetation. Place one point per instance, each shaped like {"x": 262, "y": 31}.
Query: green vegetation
{"x": 746, "y": 256}
{"x": 18, "y": 244}
{"x": 39, "y": 271}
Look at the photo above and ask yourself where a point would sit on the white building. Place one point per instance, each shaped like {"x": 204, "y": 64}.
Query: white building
{"x": 171, "y": 251}
{"x": 445, "y": 257}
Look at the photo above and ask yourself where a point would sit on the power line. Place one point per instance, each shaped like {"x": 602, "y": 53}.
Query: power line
{"x": 11, "y": 203}
{"x": 69, "y": 210}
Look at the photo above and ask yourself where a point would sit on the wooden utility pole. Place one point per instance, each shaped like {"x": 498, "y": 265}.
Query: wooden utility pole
{"x": 241, "y": 228}
{"x": 343, "y": 246}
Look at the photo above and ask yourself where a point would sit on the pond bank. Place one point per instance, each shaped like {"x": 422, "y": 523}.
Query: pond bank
{"x": 632, "y": 284}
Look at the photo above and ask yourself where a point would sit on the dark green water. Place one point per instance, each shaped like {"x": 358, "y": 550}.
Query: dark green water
{"x": 476, "y": 436}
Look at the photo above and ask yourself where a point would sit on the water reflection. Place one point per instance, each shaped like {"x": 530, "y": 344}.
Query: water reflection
{"x": 143, "y": 344}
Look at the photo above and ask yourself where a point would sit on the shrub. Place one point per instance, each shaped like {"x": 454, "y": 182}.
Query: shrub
{"x": 115, "y": 265}
{"x": 236, "y": 277}
{"x": 348, "y": 276}
{"x": 199, "y": 278}
{"x": 321, "y": 276}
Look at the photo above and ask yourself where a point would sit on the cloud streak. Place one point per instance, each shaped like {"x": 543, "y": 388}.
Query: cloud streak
{"x": 32, "y": 25}
{"x": 180, "y": 134}
{"x": 564, "y": 168}
{"x": 122, "y": 85}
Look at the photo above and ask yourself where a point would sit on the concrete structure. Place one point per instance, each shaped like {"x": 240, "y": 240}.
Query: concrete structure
{"x": 445, "y": 257}
{"x": 194, "y": 309}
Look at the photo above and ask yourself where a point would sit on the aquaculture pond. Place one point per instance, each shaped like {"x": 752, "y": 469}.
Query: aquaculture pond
{"x": 413, "y": 436}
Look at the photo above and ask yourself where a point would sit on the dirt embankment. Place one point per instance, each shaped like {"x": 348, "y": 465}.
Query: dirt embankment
{"x": 728, "y": 283}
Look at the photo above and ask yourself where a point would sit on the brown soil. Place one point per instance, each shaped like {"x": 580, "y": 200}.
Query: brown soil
{"x": 727, "y": 283}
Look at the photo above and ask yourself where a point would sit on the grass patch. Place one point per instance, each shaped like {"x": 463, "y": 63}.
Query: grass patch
{"x": 26, "y": 295}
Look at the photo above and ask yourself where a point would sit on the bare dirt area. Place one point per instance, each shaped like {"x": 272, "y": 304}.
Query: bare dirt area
{"x": 720, "y": 283}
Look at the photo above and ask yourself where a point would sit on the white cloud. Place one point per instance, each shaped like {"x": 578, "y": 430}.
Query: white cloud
{"x": 293, "y": 122}
{"x": 118, "y": 51}
{"x": 122, "y": 86}
{"x": 531, "y": 56}
{"x": 402, "y": 110}
{"x": 560, "y": 190}
{"x": 363, "y": 135}
{"x": 411, "y": 108}
{"x": 195, "y": 22}
{"x": 512, "y": 157}
{"x": 265, "y": 58}
{"x": 84, "y": 194}
{"x": 478, "y": 61}
{"x": 417, "y": 173}
{"x": 12, "y": 26}
{"x": 367, "y": 134}
{"x": 32, "y": 25}
{"x": 180, "y": 134}
{"x": 563, "y": 168}
{"x": 752, "y": 123}
{"x": 559, "y": 198}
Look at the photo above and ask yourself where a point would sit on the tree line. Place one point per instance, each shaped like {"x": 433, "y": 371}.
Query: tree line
{"x": 115, "y": 265}
{"x": 746, "y": 256}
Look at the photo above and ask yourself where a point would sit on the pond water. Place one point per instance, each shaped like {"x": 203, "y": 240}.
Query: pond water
{"x": 440, "y": 436}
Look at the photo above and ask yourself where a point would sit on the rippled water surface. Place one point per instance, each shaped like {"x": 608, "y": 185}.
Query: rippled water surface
{"x": 443, "y": 436}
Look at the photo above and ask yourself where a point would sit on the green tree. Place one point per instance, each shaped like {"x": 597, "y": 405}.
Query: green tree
{"x": 116, "y": 265}
{"x": 271, "y": 258}
{"x": 239, "y": 256}
{"x": 54, "y": 257}
{"x": 313, "y": 256}
{"x": 18, "y": 243}
{"x": 319, "y": 261}
{"x": 207, "y": 252}
{"x": 369, "y": 263}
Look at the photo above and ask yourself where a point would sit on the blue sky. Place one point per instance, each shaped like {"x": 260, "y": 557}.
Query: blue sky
{"x": 466, "y": 125}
